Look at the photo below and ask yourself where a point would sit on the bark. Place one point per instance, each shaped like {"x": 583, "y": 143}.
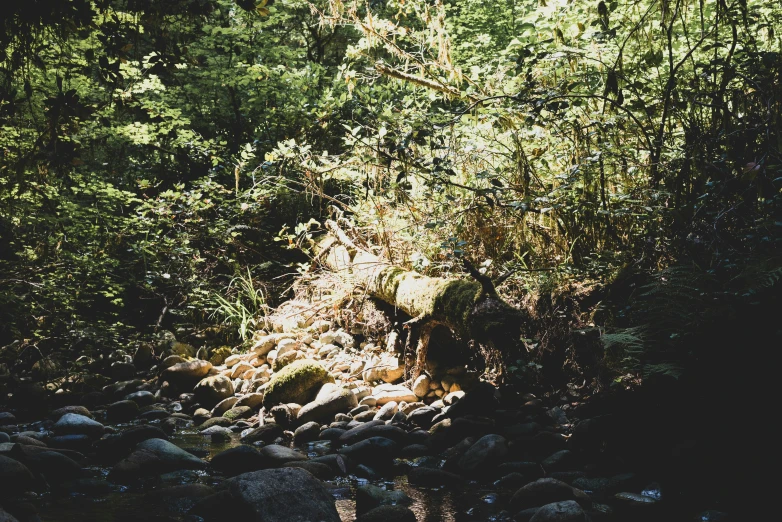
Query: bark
{"x": 471, "y": 308}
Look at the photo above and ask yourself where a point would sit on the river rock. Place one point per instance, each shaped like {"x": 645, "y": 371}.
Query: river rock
{"x": 386, "y": 411}
{"x": 213, "y": 389}
{"x": 75, "y": 424}
{"x": 155, "y": 457}
{"x": 238, "y": 460}
{"x": 266, "y": 343}
{"x": 318, "y": 469}
{"x": 421, "y": 385}
{"x": 486, "y": 453}
{"x": 251, "y": 400}
{"x": 297, "y": 383}
{"x": 567, "y": 511}
{"x": 306, "y": 432}
{"x": 331, "y": 399}
{"x": 387, "y": 514}
{"x": 122, "y": 411}
{"x": 276, "y": 455}
{"x": 142, "y": 398}
{"x": 432, "y": 477}
{"x": 54, "y": 466}
{"x": 266, "y": 433}
{"x": 279, "y": 495}
{"x": 392, "y": 392}
{"x": 546, "y": 491}
{"x": 186, "y": 374}
{"x": 59, "y": 412}
{"x": 15, "y": 477}
{"x": 374, "y": 451}
{"x": 369, "y": 497}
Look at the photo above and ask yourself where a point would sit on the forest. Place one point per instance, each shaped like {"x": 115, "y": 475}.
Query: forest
{"x": 388, "y": 260}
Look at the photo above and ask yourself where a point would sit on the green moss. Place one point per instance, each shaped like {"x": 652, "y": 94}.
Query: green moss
{"x": 298, "y": 382}
{"x": 455, "y": 301}
{"x": 219, "y": 355}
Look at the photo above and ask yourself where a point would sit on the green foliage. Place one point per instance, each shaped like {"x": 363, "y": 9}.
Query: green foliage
{"x": 247, "y": 308}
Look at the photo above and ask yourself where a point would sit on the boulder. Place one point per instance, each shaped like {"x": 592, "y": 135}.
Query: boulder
{"x": 421, "y": 385}
{"x": 387, "y": 514}
{"x": 486, "y": 453}
{"x": 155, "y": 457}
{"x": 298, "y": 383}
{"x": 306, "y": 433}
{"x": 374, "y": 451}
{"x": 213, "y": 389}
{"x": 122, "y": 411}
{"x": 432, "y": 477}
{"x": 238, "y": 460}
{"x": 266, "y": 433}
{"x": 567, "y": 511}
{"x": 15, "y": 477}
{"x": 59, "y": 412}
{"x": 546, "y": 491}
{"x": 369, "y": 497}
{"x": 331, "y": 399}
{"x": 75, "y": 424}
{"x": 276, "y": 456}
{"x": 392, "y": 392}
{"x": 185, "y": 374}
{"x": 279, "y": 495}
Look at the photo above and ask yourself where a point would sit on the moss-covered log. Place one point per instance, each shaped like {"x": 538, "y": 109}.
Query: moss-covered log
{"x": 469, "y": 307}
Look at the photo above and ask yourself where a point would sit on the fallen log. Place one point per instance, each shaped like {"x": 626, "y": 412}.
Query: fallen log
{"x": 470, "y": 308}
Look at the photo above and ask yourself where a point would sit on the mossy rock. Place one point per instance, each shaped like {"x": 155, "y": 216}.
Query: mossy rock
{"x": 219, "y": 355}
{"x": 298, "y": 382}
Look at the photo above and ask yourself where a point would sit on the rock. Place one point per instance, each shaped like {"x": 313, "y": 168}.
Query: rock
{"x": 185, "y": 374}
{"x": 213, "y": 389}
{"x": 388, "y": 514}
{"x": 453, "y": 397}
{"x": 59, "y": 412}
{"x": 413, "y": 451}
{"x": 75, "y": 424}
{"x": 487, "y": 452}
{"x": 122, "y": 411}
{"x": 15, "y": 477}
{"x": 276, "y": 455}
{"x": 306, "y": 432}
{"x": 422, "y": 417}
{"x": 364, "y": 416}
{"x": 479, "y": 401}
{"x": 267, "y": 343}
{"x": 432, "y": 477}
{"x": 386, "y": 369}
{"x": 142, "y": 398}
{"x": 215, "y": 421}
{"x": 374, "y": 451}
{"x": 251, "y": 400}
{"x": 339, "y": 337}
{"x": 238, "y": 460}
{"x": 238, "y": 412}
{"x": 421, "y": 385}
{"x": 330, "y": 400}
{"x": 143, "y": 356}
{"x": 55, "y": 467}
{"x": 392, "y": 392}
{"x": 180, "y": 498}
{"x": 154, "y": 457}
{"x": 266, "y": 433}
{"x": 279, "y": 495}
{"x": 546, "y": 491}
{"x": 298, "y": 382}
{"x": 331, "y": 434}
{"x": 386, "y": 411}
{"x": 5, "y": 516}
{"x": 7, "y": 418}
{"x": 4, "y": 437}
{"x": 511, "y": 481}
{"x": 122, "y": 371}
{"x": 369, "y": 497}
{"x": 560, "y": 461}
{"x": 241, "y": 368}
{"x": 318, "y": 469}
{"x": 567, "y": 511}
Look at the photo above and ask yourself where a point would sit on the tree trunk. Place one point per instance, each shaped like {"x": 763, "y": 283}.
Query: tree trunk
{"x": 471, "y": 308}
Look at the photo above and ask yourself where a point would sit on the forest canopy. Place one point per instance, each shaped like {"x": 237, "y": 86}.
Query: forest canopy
{"x": 164, "y": 163}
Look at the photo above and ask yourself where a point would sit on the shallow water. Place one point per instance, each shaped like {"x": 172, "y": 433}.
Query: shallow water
{"x": 132, "y": 503}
